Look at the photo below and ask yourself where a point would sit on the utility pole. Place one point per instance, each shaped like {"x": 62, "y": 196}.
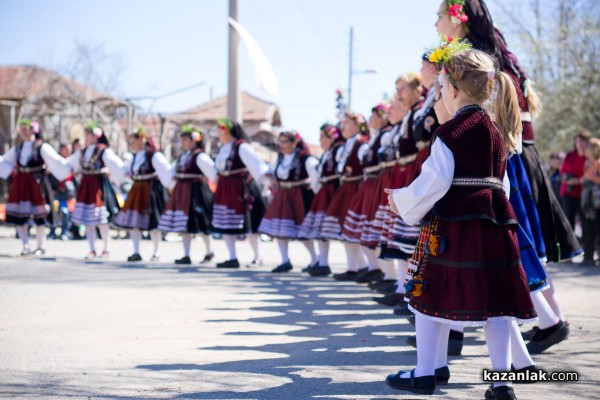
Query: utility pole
{"x": 350, "y": 70}
{"x": 234, "y": 108}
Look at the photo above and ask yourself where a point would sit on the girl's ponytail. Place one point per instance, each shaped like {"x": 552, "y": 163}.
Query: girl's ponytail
{"x": 507, "y": 115}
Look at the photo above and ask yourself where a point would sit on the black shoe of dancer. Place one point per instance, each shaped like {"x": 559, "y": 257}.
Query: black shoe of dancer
{"x": 285, "y": 267}
{"x": 391, "y": 299}
{"x": 320, "y": 270}
{"x": 403, "y": 311}
{"x": 229, "y": 264}
{"x": 373, "y": 275}
{"x": 184, "y": 260}
{"x": 527, "y": 335}
{"x": 208, "y": 258}
{"x": 546, "y": 338}
{"x": 387, "y": 289}
{"x": 360, "y": 273}
{"x": 500, "y": 393}
{"x": 533, "y": 369}
{"x": 345, "y": 276}
{"x": 374, "y": 285}
{"x": 309, "y": 267}
{"x": 420, "y": 385}
{"x": 134, "y": 257}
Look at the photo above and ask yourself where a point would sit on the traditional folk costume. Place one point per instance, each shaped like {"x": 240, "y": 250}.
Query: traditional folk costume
{"x": 312, "y": 226}
{"x": 470, "y": 271}
{"x": 239, "y": 206}
{"x": 297, "y": 177}
{"x": 350, "y": 168}
{"x": 151, "y": 175}
{"x": 364, "y": 205}
{"x": 96, "y": 202}
{"x": 189, "y": 209}
{"x": 30, "y": 196}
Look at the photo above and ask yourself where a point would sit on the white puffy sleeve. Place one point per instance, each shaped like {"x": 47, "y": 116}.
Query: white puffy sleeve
{"x": 73, "y": 162}
{"x": 362, "y": 150}
{"x": 7, "y": 163}
{"x": 163, "y": 170}
{"x": 256, "y": 166}
{"x": 207, "y": 166}
{"x": 57, "y": 165}
{"x": 506, "y": 184}
{"x": 416, "y": 200}
{"x": 312, "y": 164}
{"x": 114, "y": 165}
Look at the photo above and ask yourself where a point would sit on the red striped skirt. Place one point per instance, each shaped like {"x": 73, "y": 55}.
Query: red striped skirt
{"x": 312, "y": 226}
{"x": 361, "y": 211}
{"x": 26, "y": 199}
{"x": 284, "y": 215}
{"x": 338, "y": 209}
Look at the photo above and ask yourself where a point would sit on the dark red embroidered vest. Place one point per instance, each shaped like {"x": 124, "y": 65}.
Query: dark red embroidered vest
{"x": 478, "y": 150}
{"x": 407, "y": 145}
{"x": 190, "y": 166}
{"x": 353, "y": 166}
{"x": 298, "y": 170}
{"x": 528, "y": 134}
{"x": 371, "y": 159}
{"x": 329, "y": 167}
{"x": 36, "y": 159}
{"x": 95, "y": 162}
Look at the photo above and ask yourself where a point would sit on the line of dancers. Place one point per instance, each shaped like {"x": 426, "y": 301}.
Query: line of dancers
{"x": 440, "y": 200}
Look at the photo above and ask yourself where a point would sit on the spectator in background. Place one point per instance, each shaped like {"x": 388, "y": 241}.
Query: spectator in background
{"x": 571, "y": 174}
{"x": 590, "y": 201}
{"x": 64, "y": 191}
{"x": 556, "y": 160}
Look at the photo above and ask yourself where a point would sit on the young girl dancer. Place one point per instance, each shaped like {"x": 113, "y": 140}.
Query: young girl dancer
{"x": 30, "y": 195}
{"x": 151, "y": 174}
{"x": 471, "y": 273}
{"x": 189, "y": 209}
{"x": 96, "y": 199}
{"x": 293, "y": 176}
{"x": 239, "y": 205}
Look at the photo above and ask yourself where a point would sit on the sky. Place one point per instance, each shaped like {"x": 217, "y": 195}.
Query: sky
{"x": 164, "y": 46}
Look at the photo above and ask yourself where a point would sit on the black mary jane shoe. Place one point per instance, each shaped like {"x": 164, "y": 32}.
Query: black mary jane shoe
{"x": 309, "y": 267}
{"x": 347, "y": 276}
{"x": 229, "y": 264}
{"x": 420, "y": 385}
{"x": 134, "y": 257}
{"x": 285, "y": 267}
{"x": 533, "y": 370}
{"x": 442, "y": 375}
{"x": 208, "y": 258}
{"x": 500, "y": 393}
{"x": 184, "y": 260}
{"x": 320, "y": 270}
{"x": 546, "y": 338}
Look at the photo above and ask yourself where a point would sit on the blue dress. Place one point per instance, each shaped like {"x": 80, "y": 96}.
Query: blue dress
{"x": 531, "y": 242}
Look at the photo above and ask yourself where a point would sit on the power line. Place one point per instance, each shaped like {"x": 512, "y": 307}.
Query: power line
{"x": 298, "y": 48}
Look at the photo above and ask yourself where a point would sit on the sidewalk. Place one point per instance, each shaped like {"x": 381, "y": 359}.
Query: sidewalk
{"x": 71, "y": 329}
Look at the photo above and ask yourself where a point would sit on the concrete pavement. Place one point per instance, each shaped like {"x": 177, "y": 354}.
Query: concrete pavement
{"x": 72, "y": 329}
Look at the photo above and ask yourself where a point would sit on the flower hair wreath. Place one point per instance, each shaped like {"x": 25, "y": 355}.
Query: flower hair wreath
{"x": 456, "y": 12}
{"x": 448, "y": 48}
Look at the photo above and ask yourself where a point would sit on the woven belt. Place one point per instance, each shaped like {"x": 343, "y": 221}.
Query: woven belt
{"x": 233, "y": 172}
{"x": 387, "y": 164}
{"x": 27, "y": 170}
{"x": 144, "y": 177}
{"x": 344, "y": 179}
{"x": 370, "y": 170}
{"x": 188, "y": 176}
{"x": 329, "y": 178}
{"x": 291, "y": 185}
{"x": 407, "y": 159}
{"x": 491, "y": 182}
{"x": 423, "y": 144}
{"x": 101, "y": 171}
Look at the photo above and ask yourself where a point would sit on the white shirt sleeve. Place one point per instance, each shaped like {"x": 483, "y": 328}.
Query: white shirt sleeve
{"x": 163, "y": 170}
{"x": 7, "y": 163}
{"x": 207, "y": 166}
{"x": 362, "y": 150}
{"x": 416, "y": 200}
{"x": 114, "y": 165}
{"x": 73, "y": 161}
{"x": 256, "y": 166}
{"x": 57, "y": 165}
{"x": 312, "y": 164}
